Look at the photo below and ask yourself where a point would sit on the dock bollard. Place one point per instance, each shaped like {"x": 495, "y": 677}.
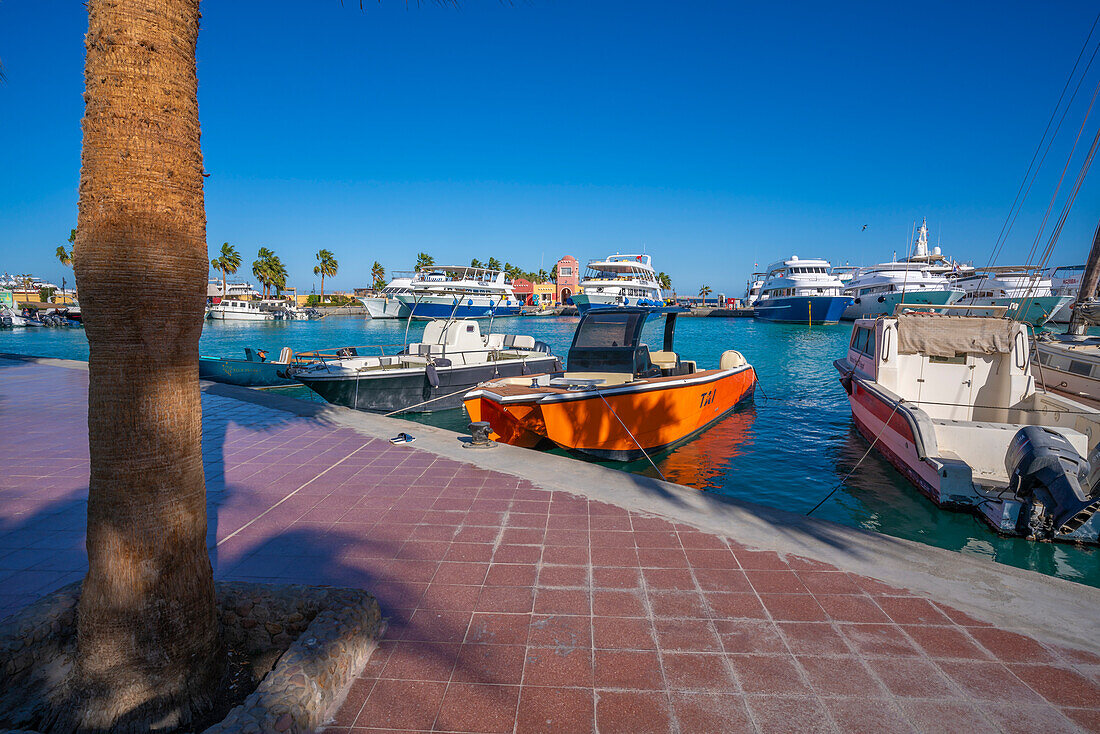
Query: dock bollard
{"x": 479, "y": 431}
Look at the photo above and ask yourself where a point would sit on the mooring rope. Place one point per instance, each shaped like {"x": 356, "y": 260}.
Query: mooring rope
{"x": 646, "y": 455}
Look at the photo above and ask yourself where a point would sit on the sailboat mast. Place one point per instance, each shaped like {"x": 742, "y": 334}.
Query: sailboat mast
{"x": 1077, "y": 324}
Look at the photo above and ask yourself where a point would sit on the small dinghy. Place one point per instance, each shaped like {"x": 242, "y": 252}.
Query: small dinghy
{"x": 617, "y": 400}
{"x": 252, "y": 371}
{"x": 952, "y": 403}
{"x": 426, "y": 376}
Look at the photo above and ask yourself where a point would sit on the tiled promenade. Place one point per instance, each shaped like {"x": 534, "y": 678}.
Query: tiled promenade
{"x": 517, "y": 609}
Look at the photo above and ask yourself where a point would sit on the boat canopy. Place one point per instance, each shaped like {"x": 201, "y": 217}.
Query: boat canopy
{"x": 947, "y": 336}
{"x": 610, "y": 340}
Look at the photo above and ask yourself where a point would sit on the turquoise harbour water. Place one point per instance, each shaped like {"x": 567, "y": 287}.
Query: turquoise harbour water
{"x": 787, "y": 450}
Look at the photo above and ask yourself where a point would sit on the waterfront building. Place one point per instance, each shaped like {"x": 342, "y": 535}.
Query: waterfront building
{"x": 568, "y": 279}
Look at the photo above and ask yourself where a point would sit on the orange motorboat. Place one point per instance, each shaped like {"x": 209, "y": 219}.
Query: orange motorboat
{"x": 617, "y": 400}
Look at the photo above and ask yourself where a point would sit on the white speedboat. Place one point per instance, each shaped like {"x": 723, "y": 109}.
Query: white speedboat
{"x": 952, "y": 403}
{"x": 1026, "y": 294}
{"x": 460, "y": 292}
{"x": 433, "y": 374}
{"x": 1065, "y": 280}
{"x": 617, "y": 281}
{"x": 385, "y": 304}
{"x": 878, "y": 289}
{"x": 233, "y": 310}
{"x": 801, "y": 292}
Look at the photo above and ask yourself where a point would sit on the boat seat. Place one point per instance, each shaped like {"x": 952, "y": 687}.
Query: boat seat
{"x": 494, "y": 341}
{"x": 523, "y": 341}
{"x": 665, "y": 360}
{"x": 609, "y": 378}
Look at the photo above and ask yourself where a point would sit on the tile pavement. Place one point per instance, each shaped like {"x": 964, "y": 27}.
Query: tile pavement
{"x": 517, "y": 609}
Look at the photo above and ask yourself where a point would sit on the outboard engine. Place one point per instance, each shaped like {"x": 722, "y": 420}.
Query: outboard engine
{"x": 1046, "y": 472}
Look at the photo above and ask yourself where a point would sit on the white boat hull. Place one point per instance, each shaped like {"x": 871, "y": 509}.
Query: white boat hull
{"x": 873, "y": 306}
{"x": 380, "y": 307}
{"x": 219, "y": 315}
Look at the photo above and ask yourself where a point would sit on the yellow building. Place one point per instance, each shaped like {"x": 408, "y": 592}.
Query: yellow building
{"x": 544, "y": 293}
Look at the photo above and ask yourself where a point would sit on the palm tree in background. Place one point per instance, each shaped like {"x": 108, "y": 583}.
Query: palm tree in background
{"x": 424, "y": 260}
{"x": 664, "y": 281}
{"x": 277, "y": 274}
{"x": 147, "y": 638}
{"x": 327, "y": 266}
{"x": 493, "y": 264}
{"x": 65, "y": 256}
{"x": 379, "y": 274}
{"x": 542, "y": 275}
{"x": 227, "y": 262}
{"x": 475, "y": 263}
{"x": 704, "y": 292}
{"x": 261, "y": 268}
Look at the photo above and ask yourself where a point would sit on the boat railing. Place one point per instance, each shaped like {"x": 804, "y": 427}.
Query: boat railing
{"x": 902, "y": 307}
{"x": 462, "y": 356}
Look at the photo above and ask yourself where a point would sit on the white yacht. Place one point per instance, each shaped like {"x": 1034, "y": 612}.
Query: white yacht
{"x": 233, "y": 310}
{"x": 845, "y": 273}
{"x": 619, "y": 280}
{"x": 753, "y": 288}
{"x": 801, "y": 292}
{"x": 1026, "y": 294}
{"x": 952, "y": 403}
{"x": 878, "y": 289}
{"x": 385, "y": 305}
{"x": 1065, "y": 280}
{"x": 459, "y": 292}
{"x": 934, "y": 260}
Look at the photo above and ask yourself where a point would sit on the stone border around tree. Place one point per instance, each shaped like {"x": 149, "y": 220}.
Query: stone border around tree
{"x": 328, "y": 635}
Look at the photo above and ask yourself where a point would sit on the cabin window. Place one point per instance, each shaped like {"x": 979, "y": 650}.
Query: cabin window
{"x": 957, "y": 359}
{"x": 1079, "y": 368}
{"x": 863, "y": 340}
{"x": 607, "y": 330}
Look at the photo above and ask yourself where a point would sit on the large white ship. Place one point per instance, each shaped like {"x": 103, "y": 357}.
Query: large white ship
{"x": 617, "y": 281}
{"x": 459, "y": 292}
{"x": 385, "y": 305}
{"x": 878, "y": 289}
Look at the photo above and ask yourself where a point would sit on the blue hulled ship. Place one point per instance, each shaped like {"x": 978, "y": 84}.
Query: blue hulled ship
{"x": 801, "y": 292}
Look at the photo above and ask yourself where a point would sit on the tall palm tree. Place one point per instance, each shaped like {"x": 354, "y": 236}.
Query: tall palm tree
{"x": 424, "y": 260}
{"x": 277, "y": 274}
{"x": 542, "y": 275}
{"x": 227, "y": 262}
{"x": 261, "y": 268}
{"x": 475, "y": 263}
{"x": 493, "y": 264}
{"x": 148, "y": 646}
{"x": 327, "y": 266}
{"x": 379, "y": 274}
{"x": 664, "y": 280}
{"x": 704, "y": 292}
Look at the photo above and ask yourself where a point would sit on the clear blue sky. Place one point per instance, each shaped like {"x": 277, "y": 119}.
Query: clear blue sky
{"x": 716, "y": 134}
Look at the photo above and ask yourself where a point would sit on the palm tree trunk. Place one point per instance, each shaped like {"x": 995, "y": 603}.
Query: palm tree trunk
{"x": 322, "y": 287}
{"x": 147, "y": 634}
{"x": 225, "y": 283}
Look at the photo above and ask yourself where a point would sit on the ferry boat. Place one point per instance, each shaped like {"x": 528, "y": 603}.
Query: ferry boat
{"x": 1065, "y": 280}
{"x": 801, "y": 292}
{"x": 452, "y": 357}
{"x": 459, "y": 292}
{"x": 619, "y": 281}
{"x": 878, "y": 289}
{"x": 952, "y": 403}
{"x": 618, "y": 400}
{"x": 933, "y": 259}
{"x": 385, "y": 304}
{"x": 1026, "y": 294}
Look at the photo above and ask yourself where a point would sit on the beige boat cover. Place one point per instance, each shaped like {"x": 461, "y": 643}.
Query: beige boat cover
{"x": 946, "y": 336}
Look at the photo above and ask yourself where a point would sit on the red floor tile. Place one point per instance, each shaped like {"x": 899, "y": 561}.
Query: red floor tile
{"x": 850, "y": 608}
{"x": 750, "y": 636}
{"x": 878, "y": 639}
{"x": 490, "y": 628}
{"x": 787, "y": 714}
{"x": 629, "y": 712}
{"x": 1060, "y": 686}
{"x": 793, "y": 607}
{"x": 813, "y": 638}
{"x": 697, "y": 672}
{"x": 678, "y": 604}
{"x": 770, "y": 674}
{"x": 558, "y": 666}
{"x": 513, "y": 599}
{"x": 499, "y": 664}
{"x": 946, "y": 717}
{"x": 402, "y": 704}
{"x": 430, "y": 661}
{"x": 945, "y": 642}
{"x": 911, "y": 677}
{"x": 1011, "y": 646}
{"x": 623, "y": 633}
{"x": 572, "y": 576}
{"x": 628, "y": 669}
{"x": 471, "y": 707}
{"x": 560, "y": 630}
{"x": 706, "y": 712}
{"x": 867, "y": 715}
{"x": 687, "y": 635}
{"x": 617, "y": 604}
{"x": 562, "y": 601}
{"x": 556, "y": 711}
{"x": 840, "y": 676}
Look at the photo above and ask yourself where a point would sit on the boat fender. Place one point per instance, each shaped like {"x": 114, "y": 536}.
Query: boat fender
{"x": 859, "y": 300}
{"x": 882, "y": 299}
{"x": 433, "y": 376}
{"x": 846, "y": 382}
{"x": 1047, "y": 473}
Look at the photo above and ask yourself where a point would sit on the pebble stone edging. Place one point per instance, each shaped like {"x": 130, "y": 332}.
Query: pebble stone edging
{"x": 328, "y": 635}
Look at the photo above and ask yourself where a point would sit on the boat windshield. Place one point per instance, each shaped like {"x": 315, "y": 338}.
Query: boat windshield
{"x": 611, "y": 329}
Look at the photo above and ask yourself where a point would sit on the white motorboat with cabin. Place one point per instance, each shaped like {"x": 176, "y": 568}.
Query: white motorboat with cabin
{"x": 460, "y": 292}
{"x": 385, "y": 304}
{"x": 1065, "y": 280}
{"x": 753, "y": 288}
{"x": 619, "y": 281}
{"x": 452, "y": 357}
{"x": 1023, "y": 291}
{"x": 229, "y": 309}
{"x": 878, "y": 289}
{"x": 801, "y": 292}
{"x": 952, "y": 403}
